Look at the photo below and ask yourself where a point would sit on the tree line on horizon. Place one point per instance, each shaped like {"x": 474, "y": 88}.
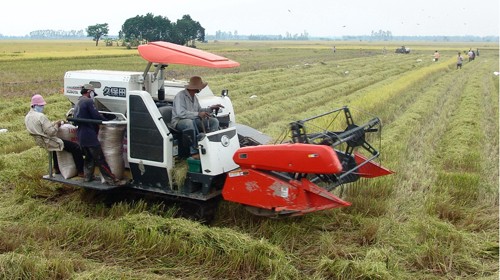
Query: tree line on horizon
{"x": 186, "y": 31}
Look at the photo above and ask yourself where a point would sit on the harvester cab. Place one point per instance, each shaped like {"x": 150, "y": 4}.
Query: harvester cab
{"x": 237, "y": 162}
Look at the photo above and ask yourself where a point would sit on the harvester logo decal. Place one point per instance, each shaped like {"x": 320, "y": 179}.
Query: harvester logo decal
{"x": 73, "y": 89}
{"x": 115, "y": 92}
{"x": 224, "y": 140}
{"x": 251, "y": 186}
{"x": 279, "y": 189}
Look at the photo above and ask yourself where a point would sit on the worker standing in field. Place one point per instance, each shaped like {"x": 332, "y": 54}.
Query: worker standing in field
{"x": 45, "y": 134}
{"x": 436, "y": 56}
{"x": 471, "y": 55}
{"x": 87, "y": 137}
{"x": 460, "y": 60}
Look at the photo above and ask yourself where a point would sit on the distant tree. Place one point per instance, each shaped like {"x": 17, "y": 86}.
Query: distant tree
{"x": 189, "y": 31}
{"x": 97, "y": 32}
{"x": 157, "y": 28}
{"x": 148, "y": 28}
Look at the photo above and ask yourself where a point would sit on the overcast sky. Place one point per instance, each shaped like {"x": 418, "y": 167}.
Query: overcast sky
{"x": 272, "y": 17}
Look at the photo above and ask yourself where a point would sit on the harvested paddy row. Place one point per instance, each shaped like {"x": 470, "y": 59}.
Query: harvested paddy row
{"x": 460, "y": 198}
{"x": 490, "y": 126}
{"x": 418, "y": 169}
{"x": 313, "y": 90}
{"x": 178, "y": 247}
{"x": 246, "y": 80}
{"x": 384, "y": 94}
{"x": 423, "y": 222}
{"x": 418, "y": 177}
{"x": 46, "y": 77}
{"x": 466, "y": 163}
{"x": 403, "y": 145}
{"x": 269, "y": 58}
{"x": 426, "y": 118}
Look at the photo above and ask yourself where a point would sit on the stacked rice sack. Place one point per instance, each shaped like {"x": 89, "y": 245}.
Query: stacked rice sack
{"x": 67, "y": 165}
{"x": 125, "y": 150}
{"x": 111, "y": 139}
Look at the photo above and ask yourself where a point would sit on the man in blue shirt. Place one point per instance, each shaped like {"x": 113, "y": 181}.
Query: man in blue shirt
{"x": 87, "y": 138}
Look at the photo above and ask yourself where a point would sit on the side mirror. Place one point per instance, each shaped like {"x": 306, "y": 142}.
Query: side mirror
{"x": 224, "y": 93}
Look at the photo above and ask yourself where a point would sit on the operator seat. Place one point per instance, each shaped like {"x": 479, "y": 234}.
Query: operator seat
{"x": 166, "y": 114}
{"x": 183, "y": 138}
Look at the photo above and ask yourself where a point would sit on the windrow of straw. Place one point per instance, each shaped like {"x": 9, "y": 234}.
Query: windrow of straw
{"x": 435, "y": 218}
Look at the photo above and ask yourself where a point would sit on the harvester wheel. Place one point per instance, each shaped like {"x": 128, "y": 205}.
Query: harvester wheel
{"x": 202, "y": 211}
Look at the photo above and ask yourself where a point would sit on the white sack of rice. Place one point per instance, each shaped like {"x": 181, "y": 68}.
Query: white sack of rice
{"x": 65, "y": 159}
{"x": 66, "y": 164}
{"x": 68, "y": 132}
{"x": 111, "y": 139}
{"x": 125, "y": 148}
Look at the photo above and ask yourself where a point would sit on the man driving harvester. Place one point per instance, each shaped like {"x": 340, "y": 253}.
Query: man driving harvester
{"x": 187, "y": 111}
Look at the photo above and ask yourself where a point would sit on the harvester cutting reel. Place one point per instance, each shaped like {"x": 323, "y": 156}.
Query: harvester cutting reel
{"x": 297, "y": 177}
{"x": 345, "y": 143}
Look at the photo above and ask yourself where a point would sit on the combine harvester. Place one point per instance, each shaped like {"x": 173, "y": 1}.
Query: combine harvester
{"x": 236, "y": 163}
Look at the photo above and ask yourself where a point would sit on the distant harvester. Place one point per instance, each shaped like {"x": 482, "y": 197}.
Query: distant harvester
{"x": 403, "y": 49}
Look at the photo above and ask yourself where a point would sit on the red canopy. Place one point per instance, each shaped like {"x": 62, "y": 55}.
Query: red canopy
{"x": 169, "y": 53}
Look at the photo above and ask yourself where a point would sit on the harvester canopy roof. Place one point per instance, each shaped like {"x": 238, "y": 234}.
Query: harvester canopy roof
{"x": 169, "y": 53}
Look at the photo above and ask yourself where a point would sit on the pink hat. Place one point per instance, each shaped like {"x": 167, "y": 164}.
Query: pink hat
{"x": 37, "y": 99}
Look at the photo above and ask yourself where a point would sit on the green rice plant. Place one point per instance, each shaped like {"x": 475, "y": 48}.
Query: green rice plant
{"x": 200, "y": 248}
{"x": 440, "y": 248}
{"x": 185, "y": 238}
{"x": 388, "y": 92}
{"x": 367, "y": 198}
{"x": 462, "y": 187}
{"x": 372, "y": 266}
{"x": 21, "y": 50}
{"x": 31, "y": 266}
{"x": 16, "y": 164}
{"x": 15, "y": 142}
{"x": 444, "y": 207}
{"x": 180, "y": 172}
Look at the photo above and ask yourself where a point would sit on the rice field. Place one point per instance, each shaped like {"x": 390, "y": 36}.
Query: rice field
{"x": 435, "y": 218}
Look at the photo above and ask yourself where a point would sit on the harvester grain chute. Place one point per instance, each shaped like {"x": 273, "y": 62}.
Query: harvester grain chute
{"x": 237, "y": 163}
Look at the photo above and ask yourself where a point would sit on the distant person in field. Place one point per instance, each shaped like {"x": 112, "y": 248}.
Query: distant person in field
{"x": 436, "y": 56}
{"x": 45, "y": 134}
{"x": 460, "y": 60}
{"x": 470, "y": 54}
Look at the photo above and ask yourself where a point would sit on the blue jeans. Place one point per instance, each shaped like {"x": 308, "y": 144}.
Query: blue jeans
{"x": 209, "y": 125}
